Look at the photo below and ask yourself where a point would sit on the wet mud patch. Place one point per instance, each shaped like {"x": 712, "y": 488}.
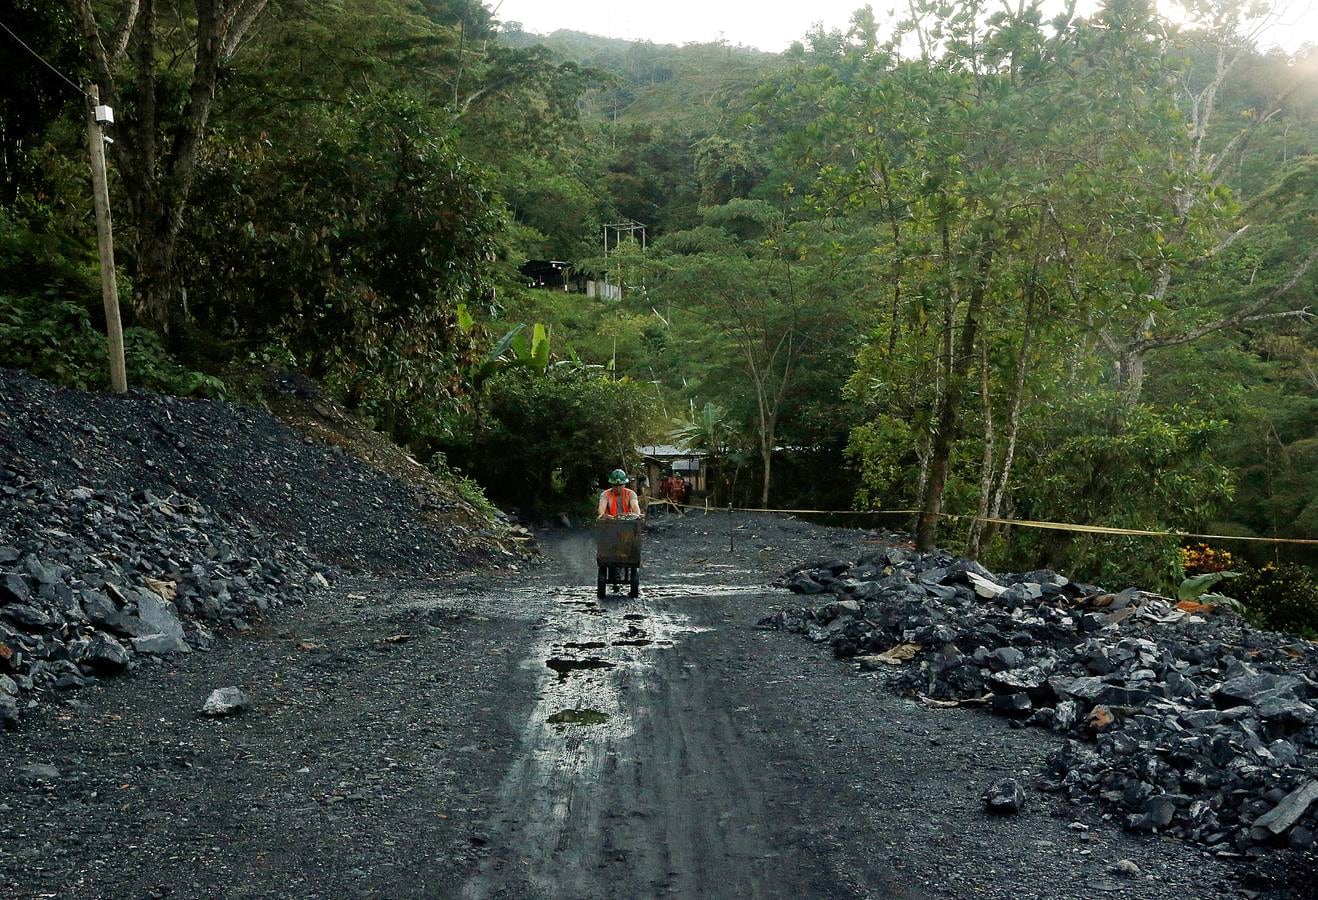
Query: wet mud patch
{"x": 585, "y": 645}
{"x": 578, "y": 717}
{"x": 633, "y": 637}
{"x": 700, "y": 591}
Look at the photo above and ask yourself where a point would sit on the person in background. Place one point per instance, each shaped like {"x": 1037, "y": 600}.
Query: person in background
{"x": 619, "y": 501}
{"x": 666, "y": 486}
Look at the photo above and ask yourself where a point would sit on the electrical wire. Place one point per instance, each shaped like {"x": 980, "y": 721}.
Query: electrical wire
{"x": 42, "y": 60}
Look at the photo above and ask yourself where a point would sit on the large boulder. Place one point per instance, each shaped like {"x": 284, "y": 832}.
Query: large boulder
{"x": 1005, "y": 797}
{"x": 104, "y": 654}
{"x": 1252, "y": 689}
{"x": 14, "y": 589}
{"x": 158, "y": 615}
{"x": 8, "y": 713}
{"x": 29, "y": 618}
{"x": 161, "y": 644}
{"x": 225, "y": 701}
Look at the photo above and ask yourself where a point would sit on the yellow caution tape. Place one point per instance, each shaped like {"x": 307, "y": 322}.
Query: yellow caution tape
{"x": 1024, "y": 523}
{"x": 1103, "y": 529}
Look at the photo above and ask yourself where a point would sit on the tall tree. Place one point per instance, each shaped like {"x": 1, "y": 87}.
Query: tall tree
{"x": 976, "y": 157}
{"x": 1197, "y": 226}
{"x": 33, "y": 96}
{"x": 164, "y": 68}
{"x": 754, "y": 306}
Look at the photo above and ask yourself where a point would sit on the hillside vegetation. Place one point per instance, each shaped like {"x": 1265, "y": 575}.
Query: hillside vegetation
{"x": 978, "y": 264}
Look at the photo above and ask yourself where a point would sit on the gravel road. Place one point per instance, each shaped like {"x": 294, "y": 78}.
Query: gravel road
{"x": 513, "y": 737}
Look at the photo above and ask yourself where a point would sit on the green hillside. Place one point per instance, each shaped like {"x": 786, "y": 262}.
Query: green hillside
{"x": 660, "y": 83}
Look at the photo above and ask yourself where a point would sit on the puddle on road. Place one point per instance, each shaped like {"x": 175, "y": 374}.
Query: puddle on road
{"x": 582, "y": 597}
{"x": 596, "y": 668}
{"x": 599, "y": 651}
{"x": 585, "y": 717}
{"x": 598, "y": 661}
{"x": 673, "y": 590}
{"x": 565, "y": 667}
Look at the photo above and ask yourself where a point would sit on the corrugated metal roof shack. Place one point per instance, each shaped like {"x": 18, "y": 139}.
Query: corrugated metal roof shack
{"x": 688, "y": 464}
{"x": 561, "y": 275}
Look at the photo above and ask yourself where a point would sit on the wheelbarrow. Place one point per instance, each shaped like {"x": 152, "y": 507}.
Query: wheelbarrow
{"x": 618, "y": 554}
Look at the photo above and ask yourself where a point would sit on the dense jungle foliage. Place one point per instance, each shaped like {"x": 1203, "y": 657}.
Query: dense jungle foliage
{"x": 978, "y": 263}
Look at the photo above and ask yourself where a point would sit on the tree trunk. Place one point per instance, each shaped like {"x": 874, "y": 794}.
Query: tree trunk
{"x": 973, "y": 541}
{"x": 931, "y": 506}
{"x": 1130, "y": 376}
{"x": 766, "y": 456}
{"x": 1014, "y": 417}
{"x": 768, "y": 407}
{"x": 922, "y": 454}
{"x": 155, "y": 273}
{"x": 894, "y": 223}
{"x": 157, "y": 156}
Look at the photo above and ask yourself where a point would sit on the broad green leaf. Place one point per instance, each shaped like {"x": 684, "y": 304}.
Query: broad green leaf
{"x": 1196, "y": 587}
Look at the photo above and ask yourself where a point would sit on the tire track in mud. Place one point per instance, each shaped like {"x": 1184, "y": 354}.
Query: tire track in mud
{"x": 633, "y": 780}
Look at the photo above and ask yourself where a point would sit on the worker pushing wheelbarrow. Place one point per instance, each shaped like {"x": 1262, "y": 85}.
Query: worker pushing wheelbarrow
{"x": 618, "y": 537}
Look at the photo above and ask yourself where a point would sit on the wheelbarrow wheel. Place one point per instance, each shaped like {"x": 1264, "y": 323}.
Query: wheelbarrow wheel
{"x": 603, "y": 580}
{"x": 636, "y": 583}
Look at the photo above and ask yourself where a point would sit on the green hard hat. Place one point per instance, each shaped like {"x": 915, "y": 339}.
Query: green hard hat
{"x": 618, "y": 476}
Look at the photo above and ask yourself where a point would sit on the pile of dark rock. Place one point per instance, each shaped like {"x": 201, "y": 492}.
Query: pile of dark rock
{"x": 137, "y": 526}
{"x": 1180, "y": 721}
{"x": 94, "y": 581}
{"x": 237, "y": 461}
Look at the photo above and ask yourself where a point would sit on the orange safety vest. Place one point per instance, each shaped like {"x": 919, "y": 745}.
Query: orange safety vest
{"x": 617, "y": 502}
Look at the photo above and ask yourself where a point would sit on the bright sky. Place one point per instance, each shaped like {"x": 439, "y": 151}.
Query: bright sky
{"x": 767, "y": 24}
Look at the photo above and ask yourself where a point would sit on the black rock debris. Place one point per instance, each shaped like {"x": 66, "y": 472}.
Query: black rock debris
{"x": 1195, "y": 726}
{"x": 141, "y": 526}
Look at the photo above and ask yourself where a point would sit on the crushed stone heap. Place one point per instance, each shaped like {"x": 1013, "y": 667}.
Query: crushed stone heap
{"x": 91, "y": 580}
{"x": 1197, "y": 726}
{"x": 135, "y": 526}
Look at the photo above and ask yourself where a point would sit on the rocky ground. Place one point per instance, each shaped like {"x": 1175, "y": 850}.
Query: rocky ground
{"x": 1184, "y": 720}
{"x": 513, "y": 737}
{"x": 242, "y": 464}
{"x": 139, "y": 526}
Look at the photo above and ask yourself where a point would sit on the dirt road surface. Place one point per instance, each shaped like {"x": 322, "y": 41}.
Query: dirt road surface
{"x": 512, "y": 737}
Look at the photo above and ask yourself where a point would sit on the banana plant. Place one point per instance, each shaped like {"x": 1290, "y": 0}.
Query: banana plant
{"x": 496, "y": 360}
{"x": 513, "y": 350}
{"x": 575, "y": 364}
{"x": 1197, "y": 590}
{"x": 532, "y": 353}
{"x": 465, "y": 320}
{"x": 1198, "y": 586}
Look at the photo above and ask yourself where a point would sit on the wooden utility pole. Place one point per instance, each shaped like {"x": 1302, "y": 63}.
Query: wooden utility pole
{"x": 114, "y": 328}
